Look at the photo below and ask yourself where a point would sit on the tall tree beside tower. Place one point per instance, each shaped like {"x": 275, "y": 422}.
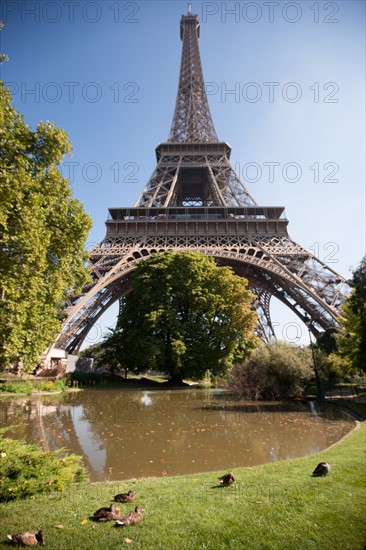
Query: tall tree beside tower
{"x": 42, "y": 236}
{"x": 351, "y": 351}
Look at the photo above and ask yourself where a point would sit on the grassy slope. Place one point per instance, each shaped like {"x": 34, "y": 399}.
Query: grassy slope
{"x": 277, "y": 506}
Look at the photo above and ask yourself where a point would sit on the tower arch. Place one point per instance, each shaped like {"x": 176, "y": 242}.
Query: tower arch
{"x": 195, "y": 201}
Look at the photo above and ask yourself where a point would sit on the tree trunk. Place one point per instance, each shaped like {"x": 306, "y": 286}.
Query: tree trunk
{"x": 175, "y": 379}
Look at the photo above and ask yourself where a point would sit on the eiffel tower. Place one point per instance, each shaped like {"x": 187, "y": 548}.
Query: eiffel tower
{"x": 195, "y": 201}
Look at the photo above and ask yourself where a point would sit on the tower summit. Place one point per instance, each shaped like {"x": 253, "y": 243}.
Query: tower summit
{"x": 192, "y": 122}
{"x": 195, "y": 201}
{"x": 193, "y": 167}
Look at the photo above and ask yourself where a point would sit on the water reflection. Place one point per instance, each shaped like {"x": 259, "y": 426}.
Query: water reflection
{"x": 146, "y": 399}
{"x": 124, "y": 434}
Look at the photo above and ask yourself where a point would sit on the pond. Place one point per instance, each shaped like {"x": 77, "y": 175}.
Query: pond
{"x": 125, "y": 434}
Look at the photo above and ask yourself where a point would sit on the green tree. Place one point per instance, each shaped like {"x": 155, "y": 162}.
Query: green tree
{"x": 42, "y": 235}
{"x": 111, "y": 353}
{"x": 326, "y": 342}
{"x": 3, "y": 56}
{"x": 94, "y": 351}
{"x": 273, "y": 371}
{"x": 185, "y": 316}
{"x": 107, "y": 354}
{"x": 351, "y": 354}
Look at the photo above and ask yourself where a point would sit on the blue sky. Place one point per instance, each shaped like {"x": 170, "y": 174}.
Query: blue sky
{"x": 286, "y": 88}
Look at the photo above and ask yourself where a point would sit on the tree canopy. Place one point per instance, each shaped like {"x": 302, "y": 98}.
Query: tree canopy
{"x": 3, "y": 56}
{"x": 42, "y": 236}
{"x": 352, "y": 340}
{"x": 185, "y": 316}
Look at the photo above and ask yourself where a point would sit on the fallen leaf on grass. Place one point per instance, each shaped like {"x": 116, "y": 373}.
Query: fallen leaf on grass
{"x": 128, "y": 541}
{"x": 84, "y": 522}
{"x": 59, "y": 526}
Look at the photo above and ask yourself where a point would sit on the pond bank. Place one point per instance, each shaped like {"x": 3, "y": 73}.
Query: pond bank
{"x": 272, "y": 506}
{"x": 142, "y": 383}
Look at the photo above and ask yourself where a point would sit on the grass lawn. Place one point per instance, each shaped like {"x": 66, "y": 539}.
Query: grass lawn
{"x": 276, "y": 505}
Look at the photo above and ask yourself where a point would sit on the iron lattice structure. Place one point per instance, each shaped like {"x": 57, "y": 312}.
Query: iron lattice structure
{"x": 192, "y": 122}
{"x": 194, "y": 201}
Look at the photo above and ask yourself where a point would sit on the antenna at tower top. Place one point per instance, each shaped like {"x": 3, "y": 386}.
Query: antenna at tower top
{"x": 189, "y": 8}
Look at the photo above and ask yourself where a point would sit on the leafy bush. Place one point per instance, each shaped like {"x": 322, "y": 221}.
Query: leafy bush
{"x": 27, "y": 470}
{"x": 51, "y": 385}
{"x": 273, "y": 371}
{"x": 17, "y": 387}
{"x": 28, "y": 386}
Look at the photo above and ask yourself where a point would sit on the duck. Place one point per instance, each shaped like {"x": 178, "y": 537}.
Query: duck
{"x": 28, "y": 538}
{"x": 107, "y": 514}
{"x": 322, "y": 469}
{"x": 131, "y": 517}
{"x": 125, "y": 497}
{"x": 227, "y": 479}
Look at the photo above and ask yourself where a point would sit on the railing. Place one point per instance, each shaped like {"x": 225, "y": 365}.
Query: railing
{"x": 340, "y": 391}
{"x": 196, "y": 213}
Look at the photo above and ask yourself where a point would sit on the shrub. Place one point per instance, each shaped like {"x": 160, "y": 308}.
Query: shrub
{"x": 17, "y": 387}
{"x": 273, "y": 371}
{"x": 80, "y": 378}
{"x": 27, "y": 470}
{"x": 28, "y": 387}
{"x": 51, "y": 385}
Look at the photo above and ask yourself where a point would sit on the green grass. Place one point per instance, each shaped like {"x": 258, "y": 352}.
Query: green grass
{"x": 273, "y": 506}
